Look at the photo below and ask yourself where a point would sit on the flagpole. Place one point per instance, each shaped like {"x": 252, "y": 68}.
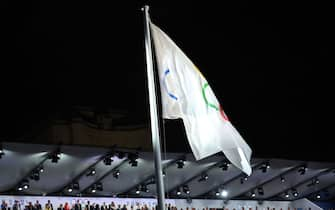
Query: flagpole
{"x": 155, "y": 135}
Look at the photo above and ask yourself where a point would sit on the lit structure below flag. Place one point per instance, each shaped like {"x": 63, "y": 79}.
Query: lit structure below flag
{"x": 187, "y": 95}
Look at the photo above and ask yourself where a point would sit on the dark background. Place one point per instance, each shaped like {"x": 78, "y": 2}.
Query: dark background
{"x": 266, "y": 61}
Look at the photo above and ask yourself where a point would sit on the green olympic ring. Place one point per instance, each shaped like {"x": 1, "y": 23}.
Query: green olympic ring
{"x": 213, "y": 105}
{"x": 206, "y": 101}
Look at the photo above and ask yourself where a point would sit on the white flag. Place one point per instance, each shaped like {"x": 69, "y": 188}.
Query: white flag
{"x": 187, "y": 95}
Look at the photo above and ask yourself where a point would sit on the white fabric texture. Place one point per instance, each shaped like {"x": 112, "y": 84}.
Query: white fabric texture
{"x": 186, "y": 94}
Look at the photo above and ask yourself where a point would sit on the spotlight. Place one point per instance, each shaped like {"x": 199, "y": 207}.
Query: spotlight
{"x": 25, "y": 184}
{"x": 121, "y": 154}
{"x": 163, "y": 173}
{"x": 224, "y": 166}
{"x": 180, "y": 163}
{"x": 245, "y": 178}
{"x": 92, "y": 172}
{"x": 217, "y": 193}
{"x": 265, "y": 167}
{"x": 282, "y": 179}
{"x": 318, "y": 196}
{"x": 99, "y": 186}
{"x": 267, "y": 164}
{"x": 116, "y": 174}
{"x": 186, "y": 189}
{"x": 35, "y": 175}
{"x": 224, "y": 193}
{"x": 203, "y": 178}
{"x": 287, "y": 195}
{"x": 260, "y": 191}
{"x": 55, "y": 156}
{"x": 133, "y": 163}
{"x": 253, "y": 194}
{"x": 178, "y": 192}
{"x": 314, "y": 182}
{"x": 108, "y": 160}
{"x": 75, "y": 186}
{"x": 133, "y": 159}
{"x": 1, "y": 151}
{"x": 41, "y": 169}
{"x": 137, "y": 190}
{"x": 302, "y": 170}
{"x": 295, "y": 193}
{"x": 144, "y": 188}
{"x": 54, "y": 159}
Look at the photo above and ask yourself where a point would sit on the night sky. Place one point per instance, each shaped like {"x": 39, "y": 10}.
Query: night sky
{"x": 267, "y": 63}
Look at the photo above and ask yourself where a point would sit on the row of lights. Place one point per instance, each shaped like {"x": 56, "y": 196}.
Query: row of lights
{"x": 35, "y": 174}
{"x": 181, "y": 163}
{"x": 142, "y": 188}
{"x": 260, "y": 192}
{"x": 55, "y": 157}
{"x": 73, "y": 186}
{"x": 23, "y": 185}
{"x": 96, "y": 187}
{"x": 204, "y": 177}
{"x": 133, "y": 162}
{"x": 107, "y": 160}
{"x": 185, "y": 189}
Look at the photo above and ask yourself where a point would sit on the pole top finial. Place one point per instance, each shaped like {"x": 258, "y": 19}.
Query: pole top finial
{"x": 145, "y": 7}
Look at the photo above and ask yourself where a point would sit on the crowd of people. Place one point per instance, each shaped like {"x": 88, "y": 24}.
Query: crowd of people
{"x": 78, "y": 206}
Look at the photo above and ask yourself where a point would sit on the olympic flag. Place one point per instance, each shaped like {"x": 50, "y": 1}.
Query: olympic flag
{"x": 186, "y": 94}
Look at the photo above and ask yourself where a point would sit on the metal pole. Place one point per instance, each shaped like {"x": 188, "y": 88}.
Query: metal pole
{"x": 155, "y": 135}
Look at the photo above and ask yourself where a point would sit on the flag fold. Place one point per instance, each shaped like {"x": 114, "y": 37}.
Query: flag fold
{"x": 186, "y": 94}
